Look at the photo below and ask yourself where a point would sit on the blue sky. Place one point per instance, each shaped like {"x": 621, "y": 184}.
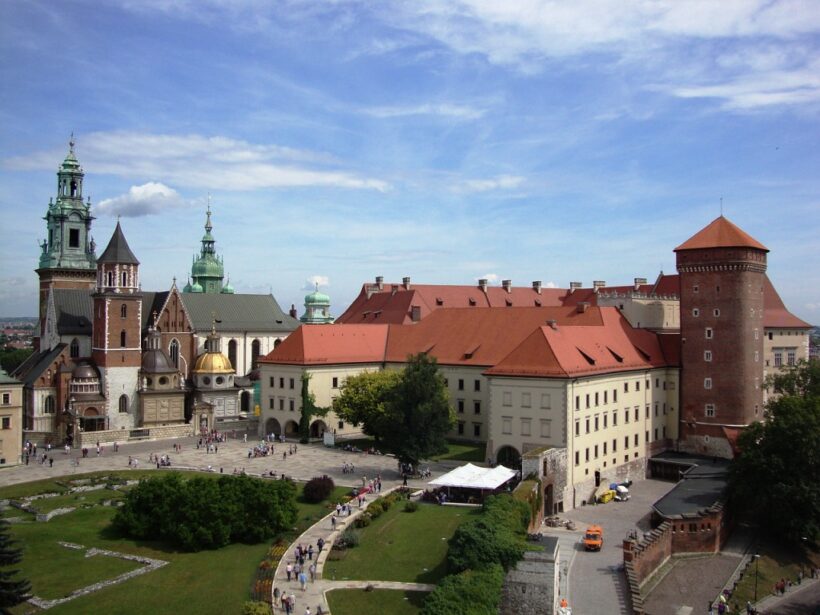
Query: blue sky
{"x": 445, "y": 140}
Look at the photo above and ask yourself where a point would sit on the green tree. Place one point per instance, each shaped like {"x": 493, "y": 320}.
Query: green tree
{"x": 362, "y": 401}
{"x": 473, "y": 592}
{"x": 12, "y": 358}
{"x": 774, "y": 478}
{"x": 418, "y": 412}
{"x": 309, "y": 409}
{"x": 13, "y": 591}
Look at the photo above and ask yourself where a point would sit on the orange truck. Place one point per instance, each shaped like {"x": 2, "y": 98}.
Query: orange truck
{"x": 594, "y": 538}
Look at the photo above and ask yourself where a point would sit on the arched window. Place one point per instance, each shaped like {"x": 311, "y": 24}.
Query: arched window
{"x": 123, "y": 311}
{"x": 49, "y": 407}
{"x": 232, "y": 353}
{"x": 277, "y": 342}
{"x": 75, "y": 348}
{"x": 122, "y": 339}
{"x": 123, "y": 403}
{"x": 123, "y": 279}
{"x": 110, "y": 279}
{"x": 73, "y": 188}
{"x": 174, "y": 352}
{"x": 254, "y": 353}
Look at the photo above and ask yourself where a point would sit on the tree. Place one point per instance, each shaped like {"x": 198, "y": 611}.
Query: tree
{"x": 12, "y": 591}
{"x": 418, "y": 412}
{"x": 309, "y": 409}
{"x": 774, "y": 478}
{"x": 362, "y": 401}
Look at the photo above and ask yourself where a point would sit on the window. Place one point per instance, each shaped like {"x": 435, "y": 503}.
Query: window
{"x": 637, "y": 413}
{"x": 636, "y": 439}
{"x": 577, "y": 402}
{"x": 341, "y": 425}
{"x": 6, "y": 422}
{"x": 716, "y": 312}
{"x": 75, "y": 348}
{"x": 587, "y": 400}
{"x": 335, "y": 382}
{"x": 707, "y": 383}
{"x": 74, "y": 238}
{"x": 477, "y": 385}
{"x": 646, "y": 438}
{"x": 646, "y": 415}
{"x": 695, "y": 288}
{"x": 6, "y": 399}
{"x": 477, "y": 430}
{"x": 461, "y": 428}
{"x": 587, "y": 426}
{"x": 506, "y": 398}
{"x": 637, "y": 385}
{"x": 526, "y": 400}
{"x": 626, "y": 416}
{"x": 656, "y": 433}
{"x": 291, "y": 405}
{"x": 586, "y": 454}
{"x": 546, "y": 400}
{"x": 695, "y": 312}
{"x": 270, "y": 403}
{"x": 506, "y": 425}
{"x": 709, "y": 333}
{"x": 546, "y": 428}
{"x": 110, "y": 278}
{"x": 525, "y": 427}
{"x": 577, "y": 457}
{"x": 123, "y": 279}
{"x": 614, "y": 418}
{"x": 657, "y": 382}
{"x": 626, "y": 387}
{"x": 791, "y": 357}
{"x": 174, "y": 352}
{"x": 664, "y": 431}
{"x": 614, "y": 396}
{"x": 123, "y": 403}
{"x": 710, "y": 410}
{"x": 122, "y": 339}
{"x": 596, "y": 422}
{"x": 281, "y": 383}
{"x": 771, "y": 336}
{"x": 272, "y": 382}
{"x": 461, "y": 406}
{"x": 281, "y": 403}
{"x": 656, "y": 409}
{"x": 596, "y": 451}
{"x": 647, "y": 384}
{"x": 577, "y": 428}
{"x": 292, "y": 384}
{"x": 256, "y": 350}
{"x": 606, "y": 420}
{"x": 596, "y": 398}
{"x": 614, "y": 446}
{"x": 476, "y": 407}
{"x": 604, "y": 448}
{"x": 626, "y": 441}
{"x": 461, "y": 384}
{"x": 707, "y": 355}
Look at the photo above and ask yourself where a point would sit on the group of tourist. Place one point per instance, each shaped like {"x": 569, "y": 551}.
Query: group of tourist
{"x": 263, "y": 449}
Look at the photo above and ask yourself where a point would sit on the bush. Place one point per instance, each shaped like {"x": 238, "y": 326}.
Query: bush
{"x": 411, "y": 506}
{"x": 318, "y": 489}
{"x": 469, "y": 593}
{"x": 202, "y": 513}
{"x": 363, "y": 520}
{"x": 255, "y": 608}
{"x": 375, "y": 510}
{"x": 348, "y": 539}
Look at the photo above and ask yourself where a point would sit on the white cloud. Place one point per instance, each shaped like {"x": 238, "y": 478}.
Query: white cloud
{"x": 461, "y": 112}
{"x": 492, "y": 278}
{"x": 550, "y": 285}
{"x": 312, "y": 281}
{"x": 196, "y": 161}
{"x": 499, "y": 182}
{"x": 144, "y": 200}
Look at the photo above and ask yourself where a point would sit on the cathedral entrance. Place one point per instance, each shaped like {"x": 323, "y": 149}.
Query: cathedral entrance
{"x": 91, "y": 420}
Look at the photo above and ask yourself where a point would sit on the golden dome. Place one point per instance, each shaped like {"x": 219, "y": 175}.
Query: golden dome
{"x": 213, "y": 363}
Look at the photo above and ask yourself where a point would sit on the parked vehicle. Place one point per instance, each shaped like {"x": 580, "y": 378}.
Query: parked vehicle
{"x": 621, "y": 493}
{"x": 594, "y": 538}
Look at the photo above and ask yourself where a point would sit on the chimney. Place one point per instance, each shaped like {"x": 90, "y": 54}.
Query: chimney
{"x": 582, "y": 307}
{"x": 573, "y": 286}
{"x": 536, "y": 286}
{"x": 552, "y": 324}
{"x": 293, "y": 313}
{"x": 482, "y": 284}
{"x": 597, "y": 285}
{"x": 406, "y": 283}
{"x": 380, "y": 282}
{"x": 507, "y": 285}
{"x": 415, "y": 313}
{"x": 394, "y": 288}
{"x": 638, "y": 282}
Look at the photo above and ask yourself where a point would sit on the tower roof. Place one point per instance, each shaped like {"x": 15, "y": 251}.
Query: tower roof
{"x": 118, "y": 250}
{"x": 721, "y": 233}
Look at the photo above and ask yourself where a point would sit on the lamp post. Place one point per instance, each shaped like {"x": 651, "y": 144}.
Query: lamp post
{"x": 757, "y": 559}
{"x": 69, "y": 427}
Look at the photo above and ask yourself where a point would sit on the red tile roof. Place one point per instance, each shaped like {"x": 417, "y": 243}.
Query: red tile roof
{"x": 775, "y": 314}
{"x": 569, "y": 351}
{"x": 720, "y": 233}
{"x": 331, "y": 344}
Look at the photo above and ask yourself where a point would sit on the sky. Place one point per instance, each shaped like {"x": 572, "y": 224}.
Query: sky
{"x": 444, "y": 140}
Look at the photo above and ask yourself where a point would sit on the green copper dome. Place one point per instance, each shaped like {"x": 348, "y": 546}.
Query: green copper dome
{"x": 316, "y": 298}
{"x": 317, "y": 308}
{"x": 227, "y": 289}
{"x": 196, "y": 287}
{"x": 207, "y": 270}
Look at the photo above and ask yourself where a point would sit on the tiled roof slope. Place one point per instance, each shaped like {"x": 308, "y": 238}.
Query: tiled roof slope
{"x": 568, "y": 351}
{"x": 237, "y": 312}
{"x": 463, "y": 336}
{"x": 720, "y": 233}
{"x": 117, "y": 250}
{"x": 331, "y": 344}
{"x": 74, "y": 311}
{"x": 775, "y": 313}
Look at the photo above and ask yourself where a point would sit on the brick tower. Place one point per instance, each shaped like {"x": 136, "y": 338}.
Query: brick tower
{"x": 116, "y": 342}
{"x": 722, "y": 274}
{"x": 67, "y": 257}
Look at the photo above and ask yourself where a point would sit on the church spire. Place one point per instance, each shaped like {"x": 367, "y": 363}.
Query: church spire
{"x": 207, "y": 271}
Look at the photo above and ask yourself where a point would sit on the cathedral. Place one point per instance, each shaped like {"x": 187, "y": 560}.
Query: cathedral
{"x": 115, "y": 361}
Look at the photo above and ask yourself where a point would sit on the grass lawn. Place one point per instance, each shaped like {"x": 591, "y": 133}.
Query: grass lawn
{"x": 376, "y": 602}
{"x": 206, "y": 582}
{"x": 456, "y": 450}
{"x": 402, "y": 546}
{"x": 776, "y": 562}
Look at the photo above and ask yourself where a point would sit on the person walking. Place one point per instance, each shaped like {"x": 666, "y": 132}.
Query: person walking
{"x": 303, "y": 580}
{"x": 289, "y": 570}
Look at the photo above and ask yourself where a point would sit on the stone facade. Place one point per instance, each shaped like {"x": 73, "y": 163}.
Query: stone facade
{"x": 532, "y": 586}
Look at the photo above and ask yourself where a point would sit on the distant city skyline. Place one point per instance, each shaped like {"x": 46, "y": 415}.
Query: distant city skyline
{"x": 446, "y": 141}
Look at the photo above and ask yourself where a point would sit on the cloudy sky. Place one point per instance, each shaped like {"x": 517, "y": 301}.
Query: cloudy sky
{"x": 445, "y": 140}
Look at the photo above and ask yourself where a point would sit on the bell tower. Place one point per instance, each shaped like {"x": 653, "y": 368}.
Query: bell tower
{"x": 67, "y": 258}
{"x": 116, "y": 345}
{"x": 207, "y": 271}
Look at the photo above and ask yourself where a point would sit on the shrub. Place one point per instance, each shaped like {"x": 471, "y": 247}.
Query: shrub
{"x": 363, "y": 520}
{"x": 411, "y": 506}
{"x": 375, "y": 510}
{"x": 469, "y": 593}
{"x": 348, "y": 539}
{"x": 318, "y": 489}
{"x": 386, "y": 504}
{"x": 255, "y": 608}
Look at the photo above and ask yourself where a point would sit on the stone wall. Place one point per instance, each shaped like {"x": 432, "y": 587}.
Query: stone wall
{"x": 532, "y": 586}
{"x": 89, "y": 439}
{"x": 642, "y": 558}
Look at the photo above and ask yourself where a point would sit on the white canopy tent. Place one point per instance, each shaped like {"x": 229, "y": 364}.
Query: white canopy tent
{"x": 473, "y": 477}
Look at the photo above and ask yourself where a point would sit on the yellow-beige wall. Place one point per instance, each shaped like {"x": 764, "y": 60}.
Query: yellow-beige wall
{"x": 11, "y": 423}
